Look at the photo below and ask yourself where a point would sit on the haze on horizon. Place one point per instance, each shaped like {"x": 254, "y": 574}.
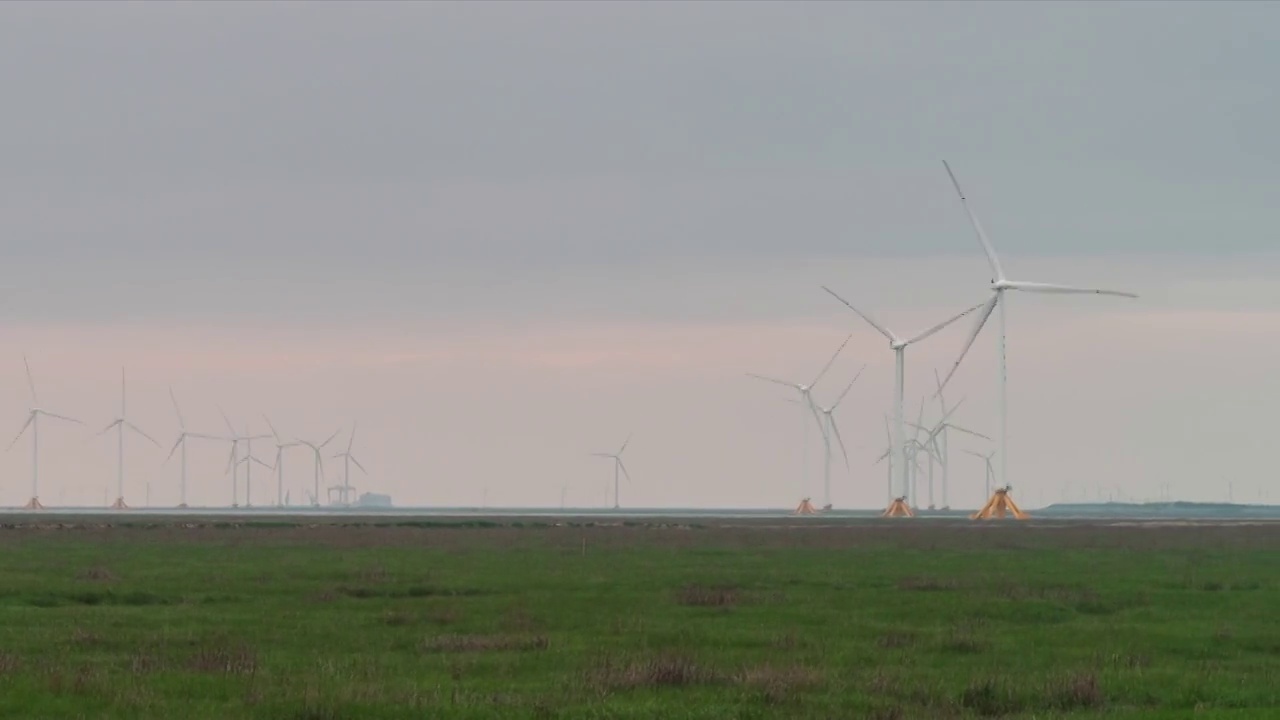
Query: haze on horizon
{"x": 502, "y": 236}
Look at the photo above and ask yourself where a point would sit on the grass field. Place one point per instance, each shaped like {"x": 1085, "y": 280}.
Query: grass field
{"x": 871, "y": 620}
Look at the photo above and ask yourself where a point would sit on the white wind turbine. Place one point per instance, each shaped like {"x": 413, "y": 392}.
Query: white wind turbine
{"x": 617, "y": 465}
{"x": 182, "y": 443}
{"x": 347, "y": 459}
{"x": 807, "y": 405}
{"x": 942, "y": 441}
{"x": 33, "y": 422}
{"x": 986, "y": 457}
{"x": 248, "y": 460}
{"x": 234, "y": 460}
{"x": 120, "y": 424}
{"x": 899, "y": 347}
{"x": 999, "y": 284}
{"x": 935, "y": 440}
{"x": 318, "y": 469}
{"x": 279, "y": 462}
{"x": 827, "y": 421}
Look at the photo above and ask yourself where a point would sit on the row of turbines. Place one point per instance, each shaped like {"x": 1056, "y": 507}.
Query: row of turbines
{"x": 235, "y": 458}
{"x": 903, "y": 452}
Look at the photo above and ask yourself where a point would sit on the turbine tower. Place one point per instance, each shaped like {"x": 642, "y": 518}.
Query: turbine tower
{"x": 899, "y": 347}
{"x": 617, "y": 466}
{"x": 234, "y": 460}
{"x": 248, "y": 460}
{"x": 942, "y": 442}
{"x": 986, "y": 457}
{"x": 807, "y": 406}
{"x": 829, "y": 429}
{"x": 347, "y": 459}
{"x": 279, "y": 462}
{"x": 999, "y": 284}
{"x": 120, "y": 424}
{"x": 182, "y": 443}
{"x": 318, "y": 464}
{"x": 33, "y": 422}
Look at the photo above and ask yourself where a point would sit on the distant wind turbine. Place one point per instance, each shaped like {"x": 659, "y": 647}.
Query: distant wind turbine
{"x": 182, "y": 443}
{"x": 830, "y": 429}
{"x": 617, "y": 466}
{"x": 808, "y": 407}
{"x": 234, "y": 460}
{"x": 120, "y": 424}
{"x": 33, "y": 422}
{"x": 347, "y": 460}
{"x": 318, "y": 467}
{"x": 248, "y": 460}
{"x": 986, "y": 457}
{"x": 999, "y": 284}
{"x": 942, "y": 441}
{"x": 279, "y": 461}
{"x": 899, "y": 347}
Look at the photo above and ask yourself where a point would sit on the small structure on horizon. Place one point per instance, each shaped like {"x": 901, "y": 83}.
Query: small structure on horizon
{"x": 1000, "y": 506}
{"x": 898, "y": 508}
{"x": 805, "y": 508}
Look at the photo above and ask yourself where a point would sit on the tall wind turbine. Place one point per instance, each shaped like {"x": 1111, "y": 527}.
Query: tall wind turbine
{"x": 234, "y": 460}
{"x": 999, "y": 284}
{"x": 808, "y": 407}
{"x": 33, "y": 422}
{"x": 318, "y": 463}
{"x": 347, "y": 459}
{"x": 279, "y": 462}
{"x": 899, "y": 347}
{"x": 248, "y": 460}
{"x": 120, "y": 424}
{"x": 986, "y": 457}
{"x": 936, "y": 442}
{"x": 942, "y": 440}
{"x": 830, "y": 429}
{"x": 182, "y": 443}
{"x": 617, "y": 465}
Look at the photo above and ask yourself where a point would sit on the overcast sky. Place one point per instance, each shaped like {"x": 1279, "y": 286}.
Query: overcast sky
{"x": 501, "y": 236}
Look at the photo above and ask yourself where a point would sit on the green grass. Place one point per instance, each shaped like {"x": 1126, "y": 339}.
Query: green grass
{"x": 882, "y": 620}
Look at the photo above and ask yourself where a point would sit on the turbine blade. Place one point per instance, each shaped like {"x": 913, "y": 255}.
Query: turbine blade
{"x": 62, "y": 417}
{"x": 625, "y": 443}
{"x": 977, "y": 226}
{"x": 351, "y": 440}
{"x": 227, "y": 420}
{"x": 30, "y": 419}
{"x": 862, "y": 315}
{"x": 330, "y": 438}
{"x": 773, "y": 380}
{"x": 948, "y": 414}
{"x": 976, "y": 454}
{"x": 973, "y": 335}
{"x": 174, "y": 448}
{"x": 967, "y": 430}
{"x": 1036, "y": 287}
{"x": 274, "y": 434}
{"x": 848, "y": 387}
{"x": 30, "y": 382}
{"x": 835, "y": 430}
{"x": 108, "y": 427}
{"x": 941, "y": 325}
{"x": 263, "y": 464}
{"x": 883, "y": 455}
{"x": 832, "y": 361}
{"x": 182, "y": 423}
{"x": 141, "y": 432}
{"x": 357, "y": 464}
{"x": 605, "y": 455}
{"x": 623, "y": 468}
{"x": 231, "y": 458}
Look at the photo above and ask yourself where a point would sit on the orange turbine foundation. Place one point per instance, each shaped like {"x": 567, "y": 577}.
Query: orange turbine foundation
{"x": 33, "y": 504}
{"x": 805, "y": 508}
{"x": 1000, "y": 506}
{"x": 119, "y": 504}
{"x": 898, "y": 508}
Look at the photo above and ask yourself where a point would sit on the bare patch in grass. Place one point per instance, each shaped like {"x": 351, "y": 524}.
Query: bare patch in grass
{"x": 896, "y": 639}
{"x": 707, "y": 596}
{"x": 397, "y": 618}
{"x": 990, "y": 697}
{"x": 927, "y": 584}
{"x": 518, "y": 620}
{"x": 444, "y": 615}
{"x": 779, "y": 684}
{"x": 224, "y": 659}
{"x": 82, "y": 638}
{"x": 485, "y": 643}
{"x": 1078, "y": 691}
{"x": 654, "y": 672}
{"x": 9, "y": 663}
{"x": 97, "y": 573}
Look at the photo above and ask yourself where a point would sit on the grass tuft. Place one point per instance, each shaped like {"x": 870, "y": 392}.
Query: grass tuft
{"x": 707, "y": 596}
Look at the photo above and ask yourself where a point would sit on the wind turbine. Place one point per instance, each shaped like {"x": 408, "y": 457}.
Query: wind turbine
{"x": 809, "y": 408}
{"x": 941, "y": 432}
{"x": 248, "y": 460}
{"x": 899, "y": 347}
{"x": 234, "y": 460}
{"x": 318, "y": 463}
{"x": 33, "y": 422}
{"x": 617, "y": 465}
{"x": 937, "y": 449}
{"x": 829, "y": 428}
{"x": 120, "y": 424}
{"x": 347, "y": 459}
{"x": 279, "y": 462}
{"x": 182, "y": 443}
{"x": 990, "y": 471}
{"x": 999, "y": 284}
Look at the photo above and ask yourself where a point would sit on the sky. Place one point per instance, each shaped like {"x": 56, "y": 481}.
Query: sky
{"x": 501, "y": 236}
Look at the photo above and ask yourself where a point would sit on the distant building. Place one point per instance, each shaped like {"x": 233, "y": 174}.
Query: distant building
{"x": 374, "y": 500}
